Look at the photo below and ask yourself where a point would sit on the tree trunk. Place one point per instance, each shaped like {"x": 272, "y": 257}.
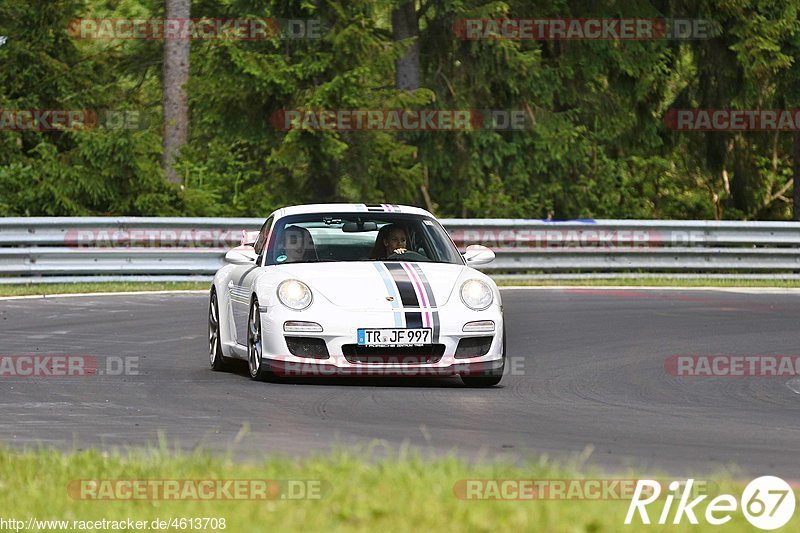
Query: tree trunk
{"x": 175, "y": 76}
{"x": 796, "y": 175}
{"x": 743, "y": 183}
{"x": 405, "y": 25}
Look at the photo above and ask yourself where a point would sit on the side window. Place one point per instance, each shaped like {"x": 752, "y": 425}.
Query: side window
{"x": 262, "y": 236}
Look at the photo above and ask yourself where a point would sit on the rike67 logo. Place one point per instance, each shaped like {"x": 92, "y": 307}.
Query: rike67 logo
{"x": 767, "y": 502}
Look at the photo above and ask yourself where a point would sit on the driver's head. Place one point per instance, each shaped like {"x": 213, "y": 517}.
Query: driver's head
{"x": 295, "y": 241}
{"x": 395, "y": 238}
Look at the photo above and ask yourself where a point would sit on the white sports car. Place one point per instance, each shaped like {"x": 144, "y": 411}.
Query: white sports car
{"x": 357, "y": 289}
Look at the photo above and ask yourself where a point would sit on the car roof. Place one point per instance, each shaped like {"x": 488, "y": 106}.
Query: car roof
{"x": 350, "y": 208}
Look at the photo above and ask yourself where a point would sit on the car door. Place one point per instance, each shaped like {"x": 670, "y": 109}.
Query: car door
{"x": 241, "y": 283}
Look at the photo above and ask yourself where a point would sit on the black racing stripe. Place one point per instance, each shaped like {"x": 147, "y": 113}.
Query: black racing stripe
{"x": 404, "y": 286}
{"x": 425, "y": 284}
{"x": 413, "y": 320}
{"x": 431, "y": 299}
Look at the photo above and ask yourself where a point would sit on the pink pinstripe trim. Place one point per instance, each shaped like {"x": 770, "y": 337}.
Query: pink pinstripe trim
{"x": 420, "y": 290}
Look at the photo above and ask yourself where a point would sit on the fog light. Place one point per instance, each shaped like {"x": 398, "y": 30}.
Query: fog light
{"x": 298, "y": 326}
{"x": 479, "y": 325}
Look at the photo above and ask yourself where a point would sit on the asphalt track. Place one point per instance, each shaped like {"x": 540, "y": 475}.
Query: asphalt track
{"x": 589, "y": 377}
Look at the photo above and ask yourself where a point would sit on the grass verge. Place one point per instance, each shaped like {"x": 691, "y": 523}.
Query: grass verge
{"x": 401, "y": 493}
{"x": 70, "y": 288}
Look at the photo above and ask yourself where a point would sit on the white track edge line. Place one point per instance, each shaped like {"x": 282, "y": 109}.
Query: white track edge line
{"x": 87, "y": 294}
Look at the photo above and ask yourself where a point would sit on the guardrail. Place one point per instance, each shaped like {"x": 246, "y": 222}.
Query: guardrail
{"x": 56, "y": 249}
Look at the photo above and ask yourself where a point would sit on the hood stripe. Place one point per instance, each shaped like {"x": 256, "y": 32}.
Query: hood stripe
{"x": 404, "y": 286}
{"x": 392, "y": 290}
{"x": 408, "y": 295}
{"x": 417, "y": 284}
{"x": 431, "y": 298}
{"x": 415, "y": 291}
{"x": 420, "y": 292}
{"x": 413, "y": 320}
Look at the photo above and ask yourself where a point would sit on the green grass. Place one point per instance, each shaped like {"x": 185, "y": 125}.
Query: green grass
{"x": 400, "y": 493}
{"x": 69, "y": 288}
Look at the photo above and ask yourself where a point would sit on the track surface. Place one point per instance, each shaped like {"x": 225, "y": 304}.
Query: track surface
{"x": 589, "y": 372}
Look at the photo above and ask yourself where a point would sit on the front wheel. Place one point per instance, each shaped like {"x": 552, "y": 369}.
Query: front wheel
{"x": 255, "y": 345}
{"x": 216, "y": 360}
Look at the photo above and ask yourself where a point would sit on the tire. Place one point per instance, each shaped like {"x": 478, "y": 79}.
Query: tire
{"x": 489, "y": 379}
{"x": 255, "y": 345}
{"x": 216, "y": 359}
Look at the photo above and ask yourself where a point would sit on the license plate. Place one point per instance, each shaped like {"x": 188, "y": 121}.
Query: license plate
{"x": 394, "y": 337}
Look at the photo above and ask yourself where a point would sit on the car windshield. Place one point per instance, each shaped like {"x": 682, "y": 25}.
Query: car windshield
{"x": 330, "y": 237}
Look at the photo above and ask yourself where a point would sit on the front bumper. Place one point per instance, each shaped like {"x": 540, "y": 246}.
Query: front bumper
{"x": 315, "y": 368}
{"x": 340, "y": 332}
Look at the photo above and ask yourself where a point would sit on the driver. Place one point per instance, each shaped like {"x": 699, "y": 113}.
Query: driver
{"x": 298, "y": 245}
{"x": 391, "y": 239}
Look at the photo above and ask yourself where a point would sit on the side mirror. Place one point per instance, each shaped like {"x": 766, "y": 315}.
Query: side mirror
{"x": 477, "y": 254}
{"x": 241, "y": 255}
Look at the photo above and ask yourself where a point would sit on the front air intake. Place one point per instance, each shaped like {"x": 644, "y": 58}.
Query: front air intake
{"x": 469, "y": 347}
{"x": 408, "y": 355}
{"x": 309, "y": 347}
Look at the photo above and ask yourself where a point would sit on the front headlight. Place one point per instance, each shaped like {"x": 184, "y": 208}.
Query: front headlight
{"x": 476, "y": 294}
{"x": 294, "y": 294}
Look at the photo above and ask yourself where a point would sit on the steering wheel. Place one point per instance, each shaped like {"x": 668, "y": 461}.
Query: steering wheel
{"x": 407, "y": 256}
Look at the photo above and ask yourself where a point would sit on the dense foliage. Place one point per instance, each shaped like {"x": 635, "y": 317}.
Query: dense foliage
{"x": 598, "y": 146}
